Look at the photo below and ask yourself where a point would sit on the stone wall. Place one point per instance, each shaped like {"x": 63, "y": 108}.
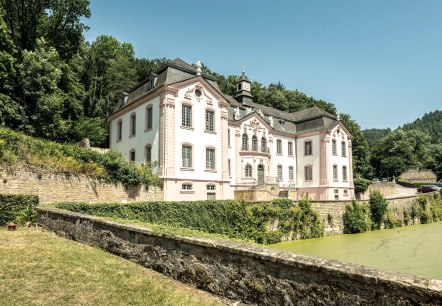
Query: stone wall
{"x": 332, "y": 212}
{"x": 247, "y": 273}
{"x": 385, "y": 188}
{"x": 57, "y": 187}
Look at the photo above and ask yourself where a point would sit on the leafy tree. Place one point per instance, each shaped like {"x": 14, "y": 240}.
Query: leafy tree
{"x": 374, "y": 135}
{"x": 356, "y": 218}
{"x": 360, "y": 148}
{"x": 430, "y": 124}
{"x": 49, "y": 109}
{"x": 361, "y": 184}
{"x": 110, "y": 67}
{"x": 144, "y": 67}
{"x": 378, "y": 208}
{"x": 57, "y": 21}
{"x": 10, "y": 110}
{"x": 434, "y": 161}
{"x": 399, "y": 151}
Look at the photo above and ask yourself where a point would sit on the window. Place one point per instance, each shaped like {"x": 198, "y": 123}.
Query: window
{"x": 254, "y": 143}
{"x": 228, "y": 165}
{"x": 210, "y": 187}
{"x": 346, "y": 192}
{"x": 343, "y": 149}
{"x": 210, "y": 158}
{"x": 308, "y": 148}
{"x": 133, "y": 124}
{"x": 228, "y": 137}
{"x": 119, "y": 129}
{"x": 186, "y": 186}
{"x": 148, "y": 154}
{"x": 291, "y": 173}
{"x": 290, "y": 148}
{"x": 186, "y": 119}
{"x": 308, "y": 173}
{"x": 187, "y": 156}
{"x": 248, "y": 170}
{"x": 245, "y": 142}
{"x": 335, "y": 172}
{"x": 279, "y": 172}
{"x": 132, "y": 155}
{"x": 239, "y": 86}
{"x": 278, "y": 146}
{"x": 334, "y": 147}
{"x": 209, "y": 121}
{"x": 148, "y": 118}
{"x": 263, "y": 144}
{"x": 344, "y": 173}
{"x": 282, "y": 124}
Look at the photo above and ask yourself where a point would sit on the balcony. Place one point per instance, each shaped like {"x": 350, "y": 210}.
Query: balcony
{"x": 255, "y": 151}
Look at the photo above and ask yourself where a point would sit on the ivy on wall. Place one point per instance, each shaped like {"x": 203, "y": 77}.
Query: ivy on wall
{"x": 263, "y": 223}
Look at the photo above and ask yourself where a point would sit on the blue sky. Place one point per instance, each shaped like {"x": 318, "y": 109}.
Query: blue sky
{"x": 379, "y": 61}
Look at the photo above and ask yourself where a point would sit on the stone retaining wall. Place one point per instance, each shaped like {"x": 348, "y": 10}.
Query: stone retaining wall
{"x": 57, "y": 187}
{"x": 247, "y": 273}
{"x": 334, "y": 211}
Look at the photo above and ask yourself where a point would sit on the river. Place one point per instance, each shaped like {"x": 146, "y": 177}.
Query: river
{"x": 415, "y": 250}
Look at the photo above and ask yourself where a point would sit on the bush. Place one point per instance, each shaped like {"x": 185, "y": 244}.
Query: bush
{"x": 378, "y": 208}
{"x": 15, "y": 207}
{"x": 356, "y": 218}
{"x": 236, "y": 219}
{"x": 16, "y": 148}
{"x": 391, "y": 222}
{"x": 361, "y": 184}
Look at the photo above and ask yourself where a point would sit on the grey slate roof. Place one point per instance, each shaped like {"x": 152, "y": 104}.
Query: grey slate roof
{"x": 303, "y": 121}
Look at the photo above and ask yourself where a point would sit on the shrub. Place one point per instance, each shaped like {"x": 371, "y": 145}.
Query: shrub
{"x": 361, "y": 184}
{"x": 236, "y": 219}
{"x": 356, "y": 218}
{"x": 378, "y": 208}
{"x": 391, "y": 222}
{"x": 16, "y": 148}
{"x": 15, "y": 207}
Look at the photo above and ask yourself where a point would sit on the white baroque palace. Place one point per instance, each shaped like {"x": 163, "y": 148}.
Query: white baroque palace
{"x": 208, "y": 144}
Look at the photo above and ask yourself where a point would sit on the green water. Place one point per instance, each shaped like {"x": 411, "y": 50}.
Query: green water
{"x": 415, "y": 250}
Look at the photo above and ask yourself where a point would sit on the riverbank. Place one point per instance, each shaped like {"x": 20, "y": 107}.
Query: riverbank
{"x": 412, "y": 250}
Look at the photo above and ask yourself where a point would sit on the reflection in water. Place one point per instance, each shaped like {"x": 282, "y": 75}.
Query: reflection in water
{"x": 413, "y": 250}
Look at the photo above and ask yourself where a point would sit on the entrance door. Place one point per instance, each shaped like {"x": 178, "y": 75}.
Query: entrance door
{"x": 260, "y": 175}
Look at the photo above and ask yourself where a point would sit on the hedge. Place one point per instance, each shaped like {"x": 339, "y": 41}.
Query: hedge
{"x": 13, "y": 206}
{"x": 236, "y": 219}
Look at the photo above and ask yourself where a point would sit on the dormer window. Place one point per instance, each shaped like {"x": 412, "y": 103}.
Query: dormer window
{"x": 282, "y": 124}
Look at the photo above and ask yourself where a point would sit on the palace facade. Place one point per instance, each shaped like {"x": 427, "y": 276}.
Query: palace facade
{"x": 208, "y": 144}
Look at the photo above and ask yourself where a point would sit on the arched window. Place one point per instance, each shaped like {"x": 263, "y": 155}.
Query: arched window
{"x": 245, "y": 142}
{"x": 254, "y": 143}
{"x": 248, "y": 170}
{"x": 263, "y": 144}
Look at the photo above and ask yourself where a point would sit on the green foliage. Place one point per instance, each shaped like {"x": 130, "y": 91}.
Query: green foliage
{"x": 374, "y": 135}
{"x": 356, "y": 218}
{"x": 360, "y": 148}
{"x": 361, "y": 184}
{"x": 391, "y": 222}
{"x": 17, "y": 148}
{"x": 378, "y": 208}
{"x": 399, "y": 151}
{"x": 20, "y": 208}
{"x": 242, "y": 220}
{"x": 430, "y": 123}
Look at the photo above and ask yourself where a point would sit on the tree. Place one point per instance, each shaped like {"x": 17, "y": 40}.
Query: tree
{"x": 110, "y": 68}
{"x": 434, "y": 161}
{"x": 378, "y": 208}
{"x": 57, "y": 21}
{"x": 10, "y": 110}
{"x": 399, "y": 151}
{"x": 360, "y": 149}
{"x": 49, "y": 108}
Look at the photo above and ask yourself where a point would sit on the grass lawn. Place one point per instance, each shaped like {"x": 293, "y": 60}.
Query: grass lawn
{"x": 39, "y": 268}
